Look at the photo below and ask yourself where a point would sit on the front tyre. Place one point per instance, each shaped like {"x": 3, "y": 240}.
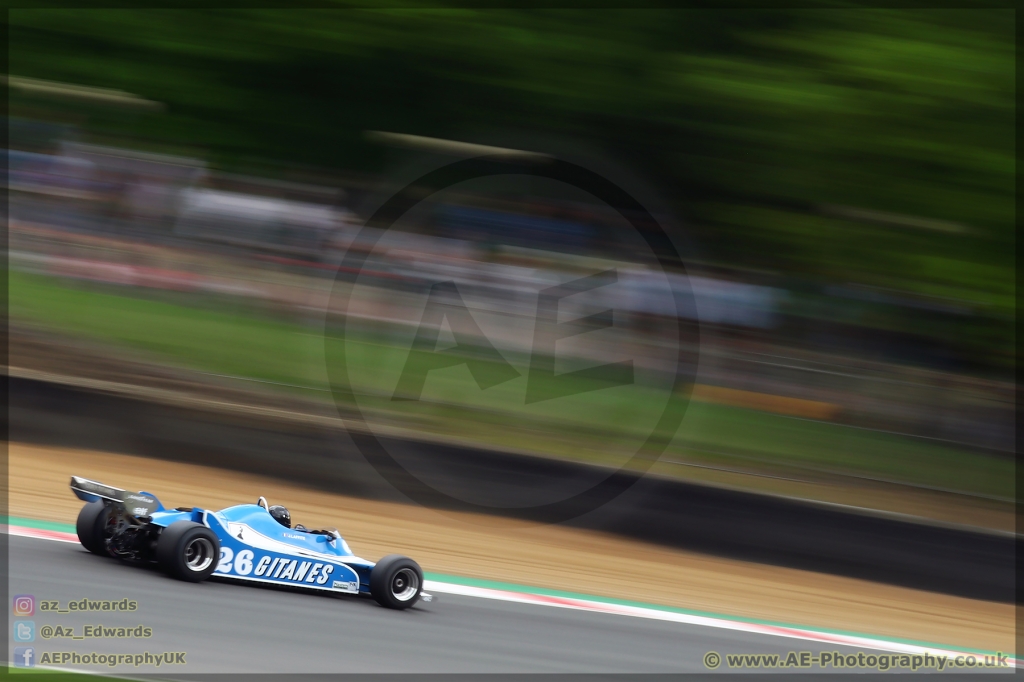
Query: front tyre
{"x": 188, "y": 551}
{"x": 91, "y": 526}
{"x": 396, "y": 582}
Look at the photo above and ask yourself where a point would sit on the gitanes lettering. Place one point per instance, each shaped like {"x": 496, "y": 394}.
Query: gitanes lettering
{"x": 309, "y": 572}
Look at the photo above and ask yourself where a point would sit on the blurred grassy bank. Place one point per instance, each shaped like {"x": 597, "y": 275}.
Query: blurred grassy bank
{"x": 599, "y": 428}
{"x": 832, "y": 145}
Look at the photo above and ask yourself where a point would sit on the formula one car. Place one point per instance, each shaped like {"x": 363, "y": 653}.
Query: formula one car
{"x": 243, "y": 542}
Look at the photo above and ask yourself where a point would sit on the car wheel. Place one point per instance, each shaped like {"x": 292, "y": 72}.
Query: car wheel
{"x": 188, "y": 551}
{"x": 91, "y": 526}
{"x": 396, "y": 582}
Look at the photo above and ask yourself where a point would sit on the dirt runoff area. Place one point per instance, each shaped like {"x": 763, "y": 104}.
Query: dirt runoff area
{"x": 527, "y": 553}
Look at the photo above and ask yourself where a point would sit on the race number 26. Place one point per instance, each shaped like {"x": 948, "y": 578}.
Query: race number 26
{"x": 242, "y": 562}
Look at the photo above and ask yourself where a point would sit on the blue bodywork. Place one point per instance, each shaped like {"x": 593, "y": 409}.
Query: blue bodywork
{"x": 254, "y": 547}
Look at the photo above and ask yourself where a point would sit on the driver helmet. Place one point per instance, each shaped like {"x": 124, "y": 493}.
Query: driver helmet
{"x": 281, "y": 515}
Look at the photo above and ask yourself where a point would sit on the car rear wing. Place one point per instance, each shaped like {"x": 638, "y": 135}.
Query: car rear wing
{"x": 136, "y": 504}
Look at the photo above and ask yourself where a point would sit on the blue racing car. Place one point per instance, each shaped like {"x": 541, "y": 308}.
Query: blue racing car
{"x": 246, "y": 542}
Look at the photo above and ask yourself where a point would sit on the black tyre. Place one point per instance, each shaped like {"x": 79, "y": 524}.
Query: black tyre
{"x": 91, "y": 525}
{"x": 396, "y": 582}
{"x": 188, "y": 551}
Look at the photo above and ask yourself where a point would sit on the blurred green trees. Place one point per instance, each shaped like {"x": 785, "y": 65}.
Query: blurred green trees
{"x": 873, "y": 147}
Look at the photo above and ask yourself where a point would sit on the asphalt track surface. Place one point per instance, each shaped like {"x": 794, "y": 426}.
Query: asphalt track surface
{"x": 230, "y": 628}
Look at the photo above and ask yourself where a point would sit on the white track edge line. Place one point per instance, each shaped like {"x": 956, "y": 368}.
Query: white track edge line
{"x": 573, "y": 603}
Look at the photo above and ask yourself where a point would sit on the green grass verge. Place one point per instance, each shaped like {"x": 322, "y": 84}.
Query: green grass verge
{"x": 597, "y": 426}
{"x": 37, "y": 675}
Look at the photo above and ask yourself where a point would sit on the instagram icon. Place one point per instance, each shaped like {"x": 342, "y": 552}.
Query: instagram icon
{"x": 24, "y": 605}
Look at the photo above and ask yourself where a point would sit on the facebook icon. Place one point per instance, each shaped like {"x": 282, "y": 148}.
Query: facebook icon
{"x": 24, "y": 656}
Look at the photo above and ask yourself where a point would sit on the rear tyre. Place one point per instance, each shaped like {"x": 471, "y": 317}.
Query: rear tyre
{"x": 396, "y": 582}
{"x": 91, "y": 525}
{"x": 188, "y": 551}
